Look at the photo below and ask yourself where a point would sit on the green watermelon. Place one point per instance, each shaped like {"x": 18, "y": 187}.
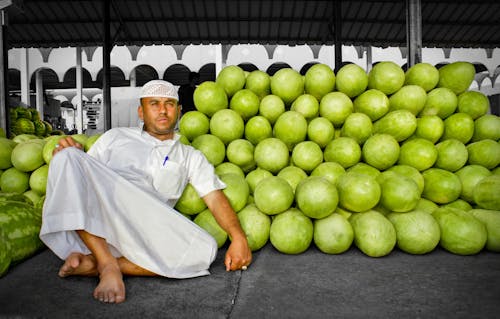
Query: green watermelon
{"x": 5, "y": 253}
{"x": 21, "y": 224}
{"x": 23, "y": 126}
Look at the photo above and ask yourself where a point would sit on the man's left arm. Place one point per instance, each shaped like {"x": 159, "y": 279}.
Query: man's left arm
{"x": 238, "y": 253}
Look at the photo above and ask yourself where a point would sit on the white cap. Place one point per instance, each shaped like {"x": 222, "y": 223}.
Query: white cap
{"x": 159, "y": 88}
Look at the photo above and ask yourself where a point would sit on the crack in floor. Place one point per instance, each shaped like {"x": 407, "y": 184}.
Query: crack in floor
{"x": 235, "y": 294}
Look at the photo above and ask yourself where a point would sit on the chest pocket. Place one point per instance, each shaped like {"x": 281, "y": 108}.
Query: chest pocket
{"x": 170, "y": 180}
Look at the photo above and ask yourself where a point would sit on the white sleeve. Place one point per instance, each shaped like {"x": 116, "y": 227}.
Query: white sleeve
{"x": 202, "y": 174}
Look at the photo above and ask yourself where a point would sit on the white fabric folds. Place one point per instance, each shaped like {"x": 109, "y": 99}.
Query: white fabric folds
{"x": 82, "y": 193}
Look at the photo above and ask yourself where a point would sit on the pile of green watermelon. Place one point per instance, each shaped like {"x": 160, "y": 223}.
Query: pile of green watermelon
{"x": 24, "y": 164}
{"x": 378, "y": 160}
{"x": 25, "y": 120}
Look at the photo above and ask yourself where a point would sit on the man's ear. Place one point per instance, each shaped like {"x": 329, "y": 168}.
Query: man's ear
{"x": 140, "y": 112}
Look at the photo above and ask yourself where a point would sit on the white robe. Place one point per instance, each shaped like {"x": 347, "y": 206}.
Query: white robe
{"x": 83, "y": 193}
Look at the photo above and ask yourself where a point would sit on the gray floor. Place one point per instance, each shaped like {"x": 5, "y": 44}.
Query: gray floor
{"x": 309, "y": 285}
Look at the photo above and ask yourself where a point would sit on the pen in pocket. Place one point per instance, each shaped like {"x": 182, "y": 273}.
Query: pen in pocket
{"x": 165, "y": 160}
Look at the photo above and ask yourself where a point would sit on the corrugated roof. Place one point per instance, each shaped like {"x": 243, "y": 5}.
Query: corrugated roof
{"x": 56, "y": 23}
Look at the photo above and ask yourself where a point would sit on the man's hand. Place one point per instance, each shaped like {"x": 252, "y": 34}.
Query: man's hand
{"x": 238, "y": 255}
{"x": 64, "y": 142}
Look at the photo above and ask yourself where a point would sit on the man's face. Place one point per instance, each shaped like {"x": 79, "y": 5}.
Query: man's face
{"x": 159, "y": 115}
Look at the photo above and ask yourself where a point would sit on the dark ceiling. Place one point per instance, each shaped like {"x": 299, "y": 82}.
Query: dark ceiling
{"x": 56, "y": 23}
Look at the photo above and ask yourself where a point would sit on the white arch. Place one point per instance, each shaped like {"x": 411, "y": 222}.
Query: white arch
{"x": 196, "y": 56}
{"x": 248, "y": 53}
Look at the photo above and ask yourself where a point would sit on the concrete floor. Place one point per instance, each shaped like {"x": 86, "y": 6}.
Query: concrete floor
{"x": 309, "y": 285}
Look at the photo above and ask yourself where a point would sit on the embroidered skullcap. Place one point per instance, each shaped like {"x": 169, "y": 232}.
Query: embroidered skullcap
{"x": 159, "y": 88}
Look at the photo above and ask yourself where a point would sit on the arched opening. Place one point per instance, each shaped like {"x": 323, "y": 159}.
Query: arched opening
{"x": 249, "y": 67}
{"x": 177, "y": 74}
{"x": 145, "y": 73}
{"x": 207, "y": 72}
{"x": 275, "y": 67}
{"x": 306, "y": 67}
{"x": 14, "y": 79}
{"x": 117, "y": 78}
{"x": 50, "y": 79}
{"x": 69, "y": 79}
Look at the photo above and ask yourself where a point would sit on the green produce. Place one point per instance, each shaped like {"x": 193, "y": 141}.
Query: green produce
{"x": 259, "y": 82}
{"x": 486, "y": 194}
{"x": 485, "y": 153}
{"x": 401, "y": 124}
{"x": 193, "y": 124}
{"x": 20, "y": 138}
{"x": 474, "y": 103}
{"x": 23, "y": 126}
{"x": 210, "y": 97}
{"x": 320, "y": 131}
{"x": 307, "y": 155}
{"x": 16, "y": 197}
{"x": 307, "y": 105}
{"x": 429, "y": 127}
{"x": 424, "y": 75}
{"x": 419, "y": 153}
{"x": 351, "y": 80}
{"x": 273, "y": 195}
{"x": 461, "y": 233}
{"x": 441, "y": 102}
{"x": 336, "y": 107}
{"x": 190, "y": 203}
{"x": 470, "y": 176}
{"x": 358, "y": 192}
{"x": 441, "y": 186}
{"x": 363, "y": 168}
{"x": 333, "y": 234}
{"x": 271, "y": 107}
{"x": 236, "y": 191}
{"x": 487, "y": 127}
{"x": 452, "y": 155}
{"x": 457, "y": 76}
{"x": 291, "y": 232}
{"x": 32, "y": 197}
{"x": 6, "y": 147}
{"x": 246, "y": 103}
{"x": 387, "y": 77}
{"x": 27, "y": 156}
{"x": 232, "y": 79}
{"x": 357, "y": 126}
{"x": 227, "y": 125}
{"x": 38, "y": 179}
{"x": 14, "y": 181}
{"x": 287, "y": 84}
{"x": 49, "y": 146}
{"x": 426, "y": 205}
{"x": 256, "y": 226}
{"x": 228, "y": 167}
{"x": 398, "y": 193}
{"x": 241, "y": 152}
{"x": 319, "y": 80}
{"x": 344, "y": 151}
{"x": 293, "y": 175}
{"x": 460, "y": 204}
{"x": 21, "y": 224}
{"x": 212, "y": 147}
{"x": 381, "y": 151}
{"x": 207, "y": 221}
{"x": 23, "y": 112}
{"x": 257, "y": 129}
{"x": 410, "y": 172}
{"x": 459, "y": 126}
{"x": 255, "y": 176}
{"x": 491, "y": 219}
{"x": 5, "y": 253}
{"x": 271, "y": 154}
{"x": 331, "y": 171}
{"x": 316, "y": 197}
{"x": 410, "y": 97}
{"x": 373, "y": 103}
{"x": 417, "y": 232}
{"x": 374, "y": 234}
{"x": 291, "y": 128}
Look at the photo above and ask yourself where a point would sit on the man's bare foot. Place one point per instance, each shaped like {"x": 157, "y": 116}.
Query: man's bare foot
{"x": 78, "y": 264}
{"x": 111, "y": 288}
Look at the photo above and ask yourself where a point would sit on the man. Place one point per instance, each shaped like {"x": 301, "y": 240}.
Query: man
{"x": 108, "y": 212}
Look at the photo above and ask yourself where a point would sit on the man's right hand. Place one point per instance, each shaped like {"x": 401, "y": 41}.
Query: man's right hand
{"x": 64, "y": 142}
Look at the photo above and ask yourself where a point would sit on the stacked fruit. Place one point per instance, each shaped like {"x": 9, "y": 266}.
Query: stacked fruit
{"x": 27, "y": 121}
{"x": 24, "y": 164}
{"x": 377, "y": 159}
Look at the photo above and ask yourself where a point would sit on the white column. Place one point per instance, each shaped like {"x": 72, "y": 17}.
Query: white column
{"x": 39, "y": 93}
{"x": 25, "y": 81}
{"x": 133, "y": 77}
{"x": 219, "y": 63}
{"x": 369, "y": 58}
{"x": 79, "y": 94}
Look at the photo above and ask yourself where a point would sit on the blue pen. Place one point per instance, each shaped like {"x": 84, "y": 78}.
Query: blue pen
{"x": 165, "y": 160}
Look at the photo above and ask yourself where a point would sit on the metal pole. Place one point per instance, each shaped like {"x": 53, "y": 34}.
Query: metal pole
{"x": 414, "y": 31}
{"x": 106, "y": 64}
{"x": 338, "y": 35}
{"x": 79, "y": 86}
{"x": 4, "y": 75}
